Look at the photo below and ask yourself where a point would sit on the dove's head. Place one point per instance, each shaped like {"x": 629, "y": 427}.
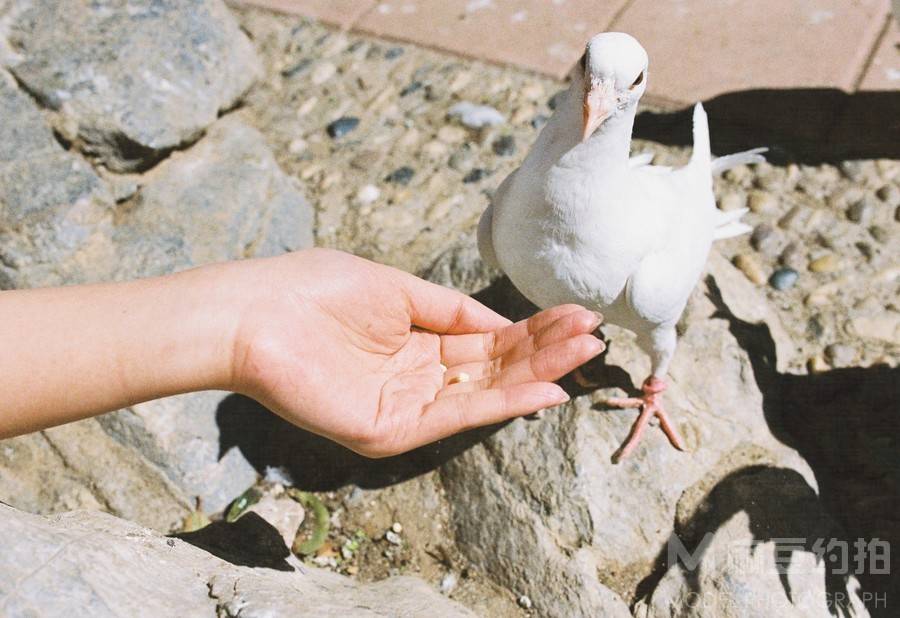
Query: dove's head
{"x": 615, "y": 75}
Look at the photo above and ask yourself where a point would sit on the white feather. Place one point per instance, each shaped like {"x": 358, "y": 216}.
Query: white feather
{"x": 581, "y": 222}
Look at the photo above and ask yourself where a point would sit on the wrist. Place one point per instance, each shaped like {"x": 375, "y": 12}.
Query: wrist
{"x": 222, "y": 298}
{"x": 255, "y": 295}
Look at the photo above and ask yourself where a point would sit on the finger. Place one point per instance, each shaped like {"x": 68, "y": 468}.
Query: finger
{"x": 445, "y": 311}
{"x": 575, "y": 323}
{"x": 451, "y": 415}
{"x": 547, "y": 364}
{"x": 578, "y": 322}
{"x": 456, "y": 349}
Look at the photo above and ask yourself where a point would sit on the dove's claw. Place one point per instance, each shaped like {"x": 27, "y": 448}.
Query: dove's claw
{"x": 651, "y": 406}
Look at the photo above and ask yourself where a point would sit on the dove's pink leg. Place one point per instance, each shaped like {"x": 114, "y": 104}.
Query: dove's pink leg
{"x": 651, "y": 405}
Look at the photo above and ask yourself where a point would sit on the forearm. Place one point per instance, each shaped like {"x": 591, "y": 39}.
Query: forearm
{"x": 72, "y": 352}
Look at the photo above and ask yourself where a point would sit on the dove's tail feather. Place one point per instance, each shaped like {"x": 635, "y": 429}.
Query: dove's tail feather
{"x": 729, "y": 224}
{"x": 721, "y": 164}
{"x": 701, "y": 154}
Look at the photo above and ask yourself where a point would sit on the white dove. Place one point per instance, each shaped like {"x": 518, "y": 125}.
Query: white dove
{"x": 580, "y": 222}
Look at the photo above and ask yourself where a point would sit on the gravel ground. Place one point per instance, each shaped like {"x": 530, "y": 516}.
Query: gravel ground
{"x": 365, "y": 125}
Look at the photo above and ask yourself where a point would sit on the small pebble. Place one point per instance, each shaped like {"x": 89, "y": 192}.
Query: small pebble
{"x": 732, "y": 201}
{"x": 523, "y": 114}
{"x": 762, "y": 202}
{"x": 307, "y": 106}
{"x": 330, "y": 179}
{"x": 739, "y": 175}
{"x": 367, "y": 194}
{"x": 297, "y": 146}
{"x": 322, "y": 73}
{"x": 840, "y": 355}
{"x": 401, "y": 175}
{"x": 879, "y": 233}
{"x": 410, "y": 138}
{"x": 394, "y": 52}
{"x": 865, "y": 249}
{"x": 397, "y": 527}
{"x": 817, "y": 364}
{"x": 462, "y": 160}
{"x": 887, "y": 275}
{"x": 504, "y": 146}
{"x": 476, "y": 116}
{"x": 890, "y": 194}
{"x": 448, "y": 583}
{"x": 839, "y": 200}
{"x": 352, "y": 569}
{"x": 765, "y": 240}
{"x": 793, "y": 257}
{"x": 822, "y": 294}
{"x": 783, "y": 279}
{"x": 393, "y": 538}
{"x": 476, "y": 175}
{"x": 451, "y": 135}
{"x": 882, "y": 326}
{"x": 861, "y": 211}
{"x": 814, "y": 327}
{"x": 795, "y": 218}
{"x": 434, "y": 149}
{"x": 748, "y": 265}
{"x": 342, "y": 126}
{"x": 296, "y": 68}
{"x": 525, "y": 602}
{"x": 365, "y": 160}
{"x": 411, "y": 88}
{"x": 828, "y": 263}
{"x": 461, "y": 80}
{"x": 532, "y": 91}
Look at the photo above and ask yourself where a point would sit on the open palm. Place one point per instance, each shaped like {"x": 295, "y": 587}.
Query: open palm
{"x": 383, "y": 362}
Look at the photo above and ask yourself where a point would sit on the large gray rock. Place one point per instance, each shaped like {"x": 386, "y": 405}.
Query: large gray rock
{"x": 97, "y": 565}
{"x": 79, "y": 466}
{"x": 132, "y": 80}
{"x": 539, "y": 506}
{"x": 54, "y": 210}
{"x": 758, "y": 544}
{"x": 224, "y": 198}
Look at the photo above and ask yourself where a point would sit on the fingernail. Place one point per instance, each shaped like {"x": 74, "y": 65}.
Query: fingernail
{"x": 561, "y": 398}
{"x": 602, "y": 345}
{"x": 599, "y": 317}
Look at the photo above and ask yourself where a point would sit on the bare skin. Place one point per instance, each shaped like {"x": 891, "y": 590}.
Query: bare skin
{"x": 366, "y": 355}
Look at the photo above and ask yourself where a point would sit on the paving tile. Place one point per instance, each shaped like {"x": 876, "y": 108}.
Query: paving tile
{"x": 884, "y": 72}
{"x": 342, "y": 13}
{"x": 702, "y": 48}
{"x": 547, "y": 36}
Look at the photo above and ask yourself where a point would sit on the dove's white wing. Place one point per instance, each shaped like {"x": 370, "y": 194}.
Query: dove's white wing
{"x": 486, "y": 224}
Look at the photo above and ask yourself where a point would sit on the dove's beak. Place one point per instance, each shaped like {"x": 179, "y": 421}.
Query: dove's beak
{"x": 599, "y": 104}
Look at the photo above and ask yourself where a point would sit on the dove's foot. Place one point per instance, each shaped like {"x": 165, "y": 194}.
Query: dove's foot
{"x": 651, "y": 406}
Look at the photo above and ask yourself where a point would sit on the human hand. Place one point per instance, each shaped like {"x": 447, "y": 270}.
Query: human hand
{"x": 356, "y": 351}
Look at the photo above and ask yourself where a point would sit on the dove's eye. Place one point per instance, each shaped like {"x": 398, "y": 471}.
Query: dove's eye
{"x": 637, "y": 82}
